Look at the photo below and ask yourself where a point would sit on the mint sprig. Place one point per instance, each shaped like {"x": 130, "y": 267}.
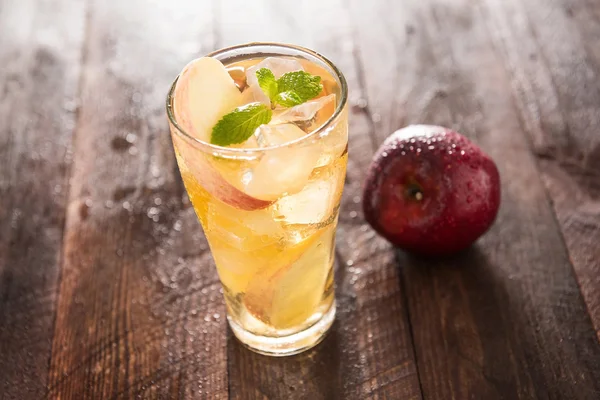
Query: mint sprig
{"x": 238, "y": 125}
{"x": 303, "y": 84}
{"x": 288, "y": 99}
{"x": 291, "y": 89}
{"x": 267, "y": 82}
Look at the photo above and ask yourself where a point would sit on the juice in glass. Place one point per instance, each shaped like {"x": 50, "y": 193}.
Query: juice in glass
{"x": 269, "y": 203}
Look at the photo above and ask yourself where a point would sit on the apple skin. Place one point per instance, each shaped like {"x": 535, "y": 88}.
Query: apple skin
{"x": 431, "y": 191}
{"x": 196, "y": 159}
{"x": 211, "y": 180}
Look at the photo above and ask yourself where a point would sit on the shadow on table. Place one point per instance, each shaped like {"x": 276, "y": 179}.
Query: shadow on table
{"x": 468, "y": 277}
{"x": 465, "y": 259}
{"x": 471, "y": 266}
{"x": 294, "y": 377}
{"x": 468, "y": 311}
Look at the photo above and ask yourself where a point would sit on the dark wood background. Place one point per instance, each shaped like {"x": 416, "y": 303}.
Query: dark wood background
{"x": 107, "y": 287}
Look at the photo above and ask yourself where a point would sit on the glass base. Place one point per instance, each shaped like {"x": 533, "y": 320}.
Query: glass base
{"x": 285, "y": 345}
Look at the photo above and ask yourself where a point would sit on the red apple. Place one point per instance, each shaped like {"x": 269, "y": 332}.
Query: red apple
{"x": 431, "y": 190}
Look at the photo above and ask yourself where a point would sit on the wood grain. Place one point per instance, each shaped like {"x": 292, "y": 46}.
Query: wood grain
{"x": 368, "y": 353}
{"x": 40, "y": 44}
{"x": 107, "y": 286}
{"x": 555, "y": 70}
{"x": 140, "y": 312}
{"x": 506, "y": 319}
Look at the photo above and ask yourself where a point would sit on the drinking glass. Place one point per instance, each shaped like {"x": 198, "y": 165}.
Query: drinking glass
{"x": 274, "y": 255}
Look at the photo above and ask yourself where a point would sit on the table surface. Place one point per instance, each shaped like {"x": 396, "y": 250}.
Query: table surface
{"x": 107, "y": 286}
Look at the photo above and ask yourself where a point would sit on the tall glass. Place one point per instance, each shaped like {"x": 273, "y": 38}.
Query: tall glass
{"x": 274, "y": 256}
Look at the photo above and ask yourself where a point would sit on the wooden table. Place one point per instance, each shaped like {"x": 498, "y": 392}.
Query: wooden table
{"x": 107, "y": 286}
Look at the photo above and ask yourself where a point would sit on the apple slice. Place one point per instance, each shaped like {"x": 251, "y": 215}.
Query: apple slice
{"x": 204, "y": 93}
{"x": 288, "y": 295}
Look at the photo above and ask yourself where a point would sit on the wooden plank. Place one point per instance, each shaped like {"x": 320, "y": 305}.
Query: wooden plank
{"x": 555, "y": 69}
{"x": 140, "y": 313}
{"x": 368, "y": 353}
{"x": 504, "y": 320}
{"x": 40, "y": 44}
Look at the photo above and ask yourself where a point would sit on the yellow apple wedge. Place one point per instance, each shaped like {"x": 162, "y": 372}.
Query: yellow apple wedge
{"x": 203, "y": 94}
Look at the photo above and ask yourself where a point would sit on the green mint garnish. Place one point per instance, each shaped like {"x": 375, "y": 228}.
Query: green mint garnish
{"x": 291, "y": 89}
{"x": 267, "y": 82}
{"x": 305, "y": 85}
{"x": 238, "y": 125}
{"x": 288, "y": 99}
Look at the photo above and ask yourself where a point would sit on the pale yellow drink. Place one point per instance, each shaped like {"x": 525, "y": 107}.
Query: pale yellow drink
{"x": 269, "y": 206}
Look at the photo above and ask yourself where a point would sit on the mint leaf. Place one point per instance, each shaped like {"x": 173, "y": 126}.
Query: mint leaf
{"x": 267, "y": 82}
{"x": 288, "y": 99}
{"x": 305, "y": 85}
{"x": 291, "y": 89}
{"x": 240, "y": 124}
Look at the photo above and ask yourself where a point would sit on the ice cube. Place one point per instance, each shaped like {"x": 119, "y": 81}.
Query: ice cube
{"x": 247, "y": 230}
{"x": 204, "y": 93}
{"x": 312, "y": 205}
{"x": 242, "y": 242}
{"x": 271, "y": 135}
{"x": 334, "y": 142}
{"x": 282, "y": 170}
{"x": 278, "y": 66}
{"x": 316, "y": 203}
{"x": 302, "y": 112}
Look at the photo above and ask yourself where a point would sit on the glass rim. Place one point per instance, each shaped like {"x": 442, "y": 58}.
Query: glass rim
{"x": 215, "y": 149}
